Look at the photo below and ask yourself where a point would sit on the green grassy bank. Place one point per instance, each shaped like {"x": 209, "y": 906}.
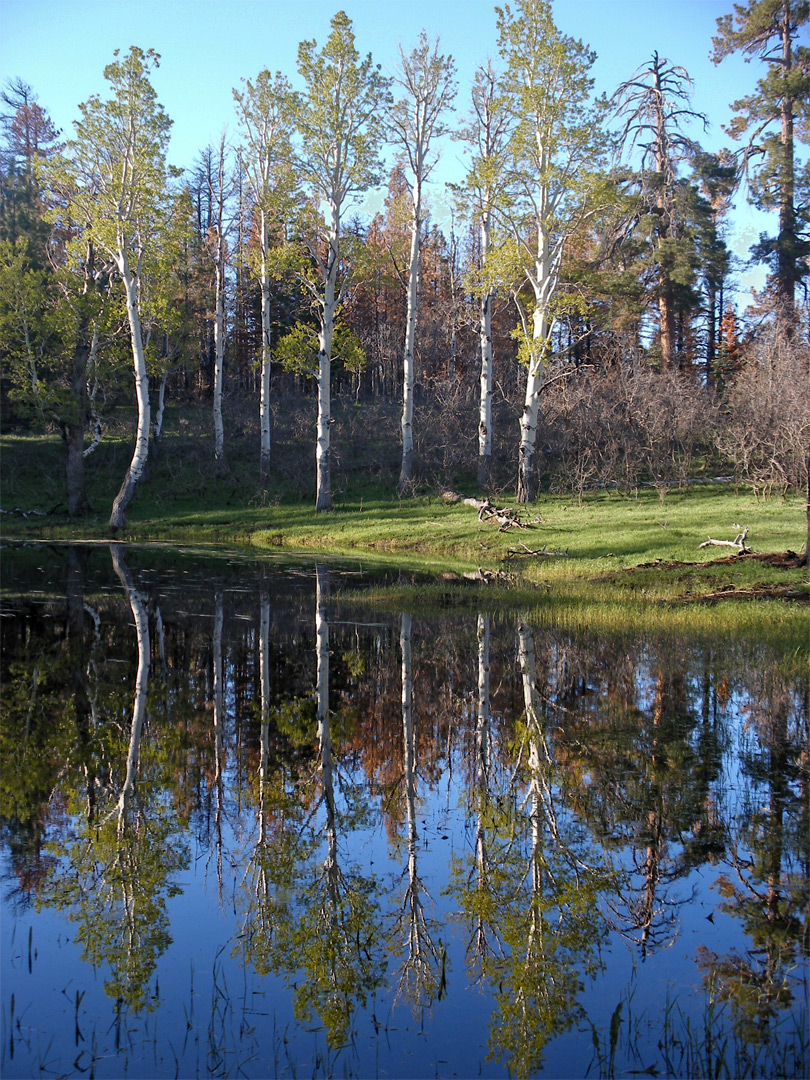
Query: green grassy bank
{"x": 602, "y": 540}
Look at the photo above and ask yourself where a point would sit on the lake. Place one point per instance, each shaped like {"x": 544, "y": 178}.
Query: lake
{"x": 256, "y": 825}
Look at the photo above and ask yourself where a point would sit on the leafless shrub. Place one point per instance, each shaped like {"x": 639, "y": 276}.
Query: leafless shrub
{"x": 765, "y": 428}
{"x": 626, "y": 427}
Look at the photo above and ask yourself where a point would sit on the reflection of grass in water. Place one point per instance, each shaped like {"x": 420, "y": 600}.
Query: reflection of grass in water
{"x": 676, "y": 1045}
{"x": 775, "y": 625}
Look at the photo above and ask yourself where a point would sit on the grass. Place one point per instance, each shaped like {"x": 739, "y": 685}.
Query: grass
{"x": 627, "y": 548}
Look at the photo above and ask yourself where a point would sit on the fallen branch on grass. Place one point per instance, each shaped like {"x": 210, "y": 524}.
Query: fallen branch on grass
{"x": 738, "y": 542}
{"x": 528, "y": 552}
{"x": 505, "y": 516}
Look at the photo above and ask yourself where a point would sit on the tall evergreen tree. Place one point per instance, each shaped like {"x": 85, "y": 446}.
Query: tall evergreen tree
{"x": 773, "y": 119}
{"x": 29, "y": 137}
{"x": 654, "y": 104}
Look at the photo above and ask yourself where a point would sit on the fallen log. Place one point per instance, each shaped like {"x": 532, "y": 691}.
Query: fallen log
{"x": 528, "y": 552}
{"x": 738, "y": 542}
{"x": 505, "y": 516}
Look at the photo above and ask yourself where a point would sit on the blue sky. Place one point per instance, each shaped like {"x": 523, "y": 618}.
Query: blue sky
{"x": 60, "y": 47}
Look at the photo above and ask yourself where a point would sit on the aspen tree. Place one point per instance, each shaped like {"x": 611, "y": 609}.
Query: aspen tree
{"x": 556, "y": 146}
{"x": 486, "y": 133}
{"x": 428, "y": 82}
{"x": 265, "y": 123}
{"x": 338, "y": 120}
{"x": 115, "y": 170}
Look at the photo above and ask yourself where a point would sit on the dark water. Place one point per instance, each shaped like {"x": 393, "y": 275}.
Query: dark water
{"x": 252, "y": 827}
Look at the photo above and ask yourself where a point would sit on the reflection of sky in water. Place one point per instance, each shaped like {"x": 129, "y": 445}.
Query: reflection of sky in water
{"x": 214, "y": 1014}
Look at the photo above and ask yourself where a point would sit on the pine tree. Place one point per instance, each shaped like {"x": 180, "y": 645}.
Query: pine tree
{"x": 773, "y": 119}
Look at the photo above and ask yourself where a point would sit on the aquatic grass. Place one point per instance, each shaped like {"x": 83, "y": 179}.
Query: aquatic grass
{"x": 675, "y": 1046}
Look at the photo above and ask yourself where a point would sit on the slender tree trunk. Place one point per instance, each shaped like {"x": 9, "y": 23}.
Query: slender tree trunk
{"x": 264, "y": 403}
{"x": 485, "y": 401}
{"x": 806, "y": 559}
{"x": 219, "y": 357}
{"x": 83, "y": 355}
{"x": 264, "y": 681}
{"x": 666, "y": 318}
{"x": 160, "y": 411}
{"x": 323, "y": 463}
{"x": 711, "y": 331}
{"x": 141, "y": 452}
{"x": 406, "y": 473}
{"x": 73, "y": 431}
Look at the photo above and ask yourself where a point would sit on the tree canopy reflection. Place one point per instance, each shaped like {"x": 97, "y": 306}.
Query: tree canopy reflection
{"x": 302, "y": 744}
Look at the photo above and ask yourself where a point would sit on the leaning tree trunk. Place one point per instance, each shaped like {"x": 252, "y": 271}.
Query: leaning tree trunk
{"x": 140, "y": 454}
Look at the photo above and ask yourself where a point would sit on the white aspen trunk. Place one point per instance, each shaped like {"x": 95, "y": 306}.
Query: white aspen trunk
{"x": 543, "y": 284}
{"x": 219, "y": 355}
{"x": 141, "y": 452}
{"x": 323, "y": 470}
{"x": 264, "y": 402}
{"x": 527, "y": 470}
{"x": 406, "y": 473}
{"x": 485, "y": 400}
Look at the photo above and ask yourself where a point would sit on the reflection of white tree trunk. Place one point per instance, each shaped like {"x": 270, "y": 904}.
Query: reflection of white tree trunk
{"x": 541, "y": 809}
{"x": 139, "y": 613}
{"x": 219, "y": 720}
{"x": 483, "y": 745}
{"x": 324, "y": 728}
{"x": 264, "y": 680}
{"x": 483, "y": 735}
{"x": 419, "y": 980}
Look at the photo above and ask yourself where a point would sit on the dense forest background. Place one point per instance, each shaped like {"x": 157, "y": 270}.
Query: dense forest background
{"x": 579, "y": 324}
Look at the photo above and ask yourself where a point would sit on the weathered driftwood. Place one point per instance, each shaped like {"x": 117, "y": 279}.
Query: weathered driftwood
{"x": 505, "y": 516}
{"x": 528, "y": 552}
{"x": 738, "y": 542}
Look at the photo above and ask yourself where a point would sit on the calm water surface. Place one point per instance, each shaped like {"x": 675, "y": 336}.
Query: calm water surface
{"x": 253, "y": 827}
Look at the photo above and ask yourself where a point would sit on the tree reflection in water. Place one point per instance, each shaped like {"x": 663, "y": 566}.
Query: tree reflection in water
{"x": 397, "y": 809}
{"x": 114, "y": 879}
